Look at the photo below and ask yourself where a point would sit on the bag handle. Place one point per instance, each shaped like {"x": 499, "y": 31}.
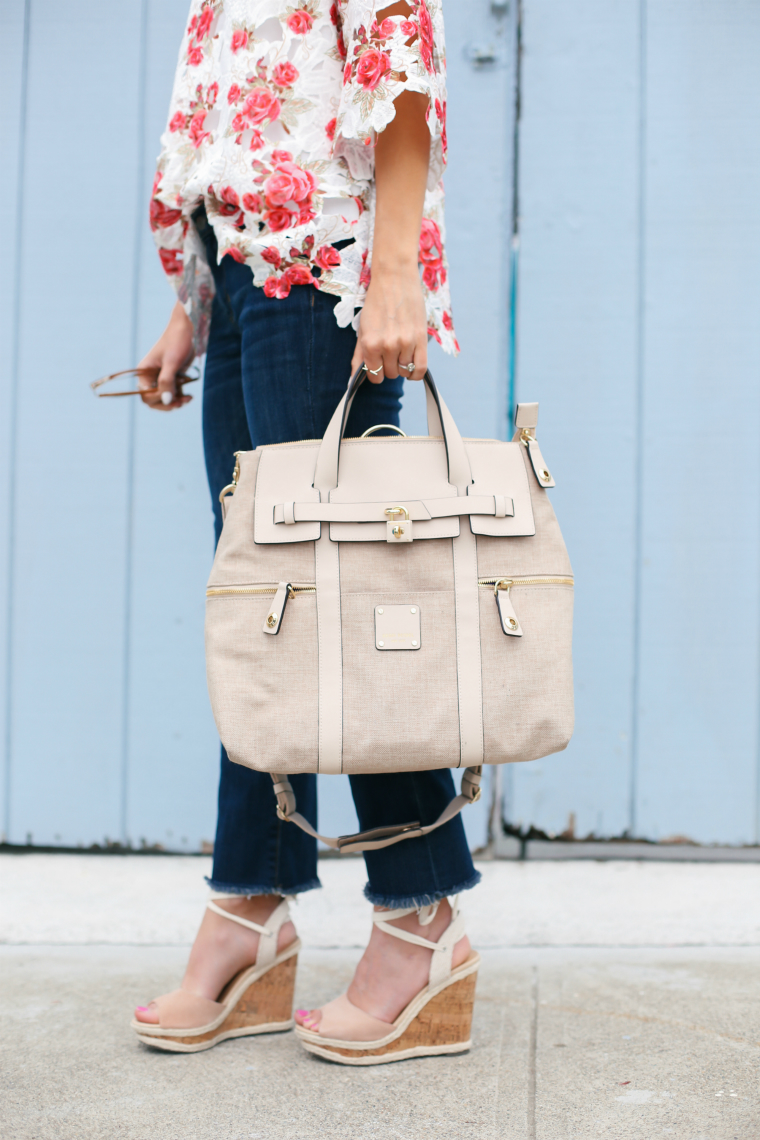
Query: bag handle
{"x": 377, "y": 837}
{"x": 328, "y": 458}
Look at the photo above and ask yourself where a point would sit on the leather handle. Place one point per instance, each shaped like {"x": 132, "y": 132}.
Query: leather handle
{"x": 439, "y": 416}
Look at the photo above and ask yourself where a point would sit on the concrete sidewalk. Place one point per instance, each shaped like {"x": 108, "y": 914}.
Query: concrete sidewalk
{"x": 615, "y": 1000}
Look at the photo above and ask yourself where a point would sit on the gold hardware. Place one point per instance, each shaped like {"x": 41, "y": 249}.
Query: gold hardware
{"x": 379, "y": 427}
{"x": 512, "y": 623}
{"x": 272, "y": 620}
{"x": 545, "y": 475}
{"x": 381, "y": 643}
{"x": 226, "y": 591}
{"x": 526, "y": 438}
{"x": 413, "y": 609}
{"x": 379, "y": 609}
{"x": 230, "y": 488}
{"x": 543, "y": 580}
{"x": 414, "y": 643}
{"x": 393, "y": 511}
{"x": 397, "y": 531}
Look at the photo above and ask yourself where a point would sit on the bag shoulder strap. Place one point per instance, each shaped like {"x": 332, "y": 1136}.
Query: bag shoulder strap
{"x": 377, "y": 837}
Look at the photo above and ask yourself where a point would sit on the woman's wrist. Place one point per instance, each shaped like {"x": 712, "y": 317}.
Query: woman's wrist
{"x": 394, "y": 264}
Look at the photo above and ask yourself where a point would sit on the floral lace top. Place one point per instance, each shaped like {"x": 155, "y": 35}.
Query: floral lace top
{"x": 272, "y": 122}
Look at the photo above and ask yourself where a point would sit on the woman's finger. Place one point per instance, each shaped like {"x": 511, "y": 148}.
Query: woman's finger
{"x": 373, "y": 360}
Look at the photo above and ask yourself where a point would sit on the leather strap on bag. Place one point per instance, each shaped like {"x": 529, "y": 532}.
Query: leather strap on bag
{"x": 377, "y": 837}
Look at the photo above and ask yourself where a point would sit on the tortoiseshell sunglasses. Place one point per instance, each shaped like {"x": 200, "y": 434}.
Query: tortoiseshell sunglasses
{"x": 149, "y": 394}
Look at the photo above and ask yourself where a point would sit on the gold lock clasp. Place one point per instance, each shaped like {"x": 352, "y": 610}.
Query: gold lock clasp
{"x": 399, "y": 525}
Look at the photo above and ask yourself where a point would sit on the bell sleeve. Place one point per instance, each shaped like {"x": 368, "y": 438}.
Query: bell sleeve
{"x": 382, "y": 58}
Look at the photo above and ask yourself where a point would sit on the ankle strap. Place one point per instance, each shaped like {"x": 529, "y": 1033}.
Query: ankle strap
{"x": 440, "y": 963}
{"x": 267, "y": 950}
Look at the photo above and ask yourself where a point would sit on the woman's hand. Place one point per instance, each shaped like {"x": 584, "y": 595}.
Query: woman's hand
{"x": 172, "y": 353}
{"x": 393, "y": 323}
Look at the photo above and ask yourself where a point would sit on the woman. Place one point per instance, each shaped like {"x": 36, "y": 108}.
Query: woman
{"x": 298, "y": 211}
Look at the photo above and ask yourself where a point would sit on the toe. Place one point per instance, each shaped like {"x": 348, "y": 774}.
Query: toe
{"x": 308, "y": 1018}
{"x": 147, "y": 1014}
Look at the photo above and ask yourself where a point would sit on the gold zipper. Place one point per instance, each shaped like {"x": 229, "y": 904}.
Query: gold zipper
{"x": 227, "y": 591}
{"x": 544, "y": 580}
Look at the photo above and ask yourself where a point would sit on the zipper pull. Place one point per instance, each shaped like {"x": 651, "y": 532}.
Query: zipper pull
{"x": 273, "y": 620}
{"x": 541, "y": 471}
{"x": 507, "y": 615}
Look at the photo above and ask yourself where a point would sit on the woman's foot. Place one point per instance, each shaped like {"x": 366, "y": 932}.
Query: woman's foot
{"x": 389, "y": 975}
{"x": 220, "y": 951}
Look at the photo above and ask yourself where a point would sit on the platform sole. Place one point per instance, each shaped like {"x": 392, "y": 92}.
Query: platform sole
{"x": 257, "y": 1002}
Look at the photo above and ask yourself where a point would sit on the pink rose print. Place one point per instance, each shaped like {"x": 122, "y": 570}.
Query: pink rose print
{"x": 430, "y": 243}
{"x": 233, "y": 94}
{"x": 235, "y": 253}
{"x": 440, "y": 110}
{"x": 298, "y": 275}
{"x": 194, "y": 55}
{"x": 373, "y": 66}
{"x": 384, "y": 30}
{"x": 306, "y": 213}
{"x": 261, "y": 104}
{"x": 162, "y": 216}
{"x": 204, "y": 23}
{"x": 366, "y": 274}
{"x": 212, "y": 93}
{"x": 277, "y": 287}
{"x": 272, "y": 255}
{"x": 327, "y": 258}
{"x": 329, "y": 129}
{"x": 434, "y": 333}
{"x": 447, "y": 321}
{"x": 280, "y": 218}
{"x": 408, "y": 28}
{"x": 300, "y": 22}
{"x": 229, "y": 202}
{"x": 288, "y": 184}
{"x": 253, "y": 203}
{"x": 171, "y": 260}
{"x": 285, "y": 74}
{"x": 281, "y": 156}
{"x": 430, "y": 277}
{"x": 426, "y": 36}
{"x": 197, "y": 133}
{"x": 334, "y": 17}
{"x": 239, "y": 40}
{"x": 177, "y": 122}
{"x": 257, "y": 140}
{"x": 346, "y": 74}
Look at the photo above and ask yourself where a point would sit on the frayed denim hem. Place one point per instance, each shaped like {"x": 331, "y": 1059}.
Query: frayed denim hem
{"x": 236, "y": 889}
{"x": 394, "y": 901}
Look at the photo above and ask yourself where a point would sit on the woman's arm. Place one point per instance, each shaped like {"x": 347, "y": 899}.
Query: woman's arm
{"x": 393, "y": 325}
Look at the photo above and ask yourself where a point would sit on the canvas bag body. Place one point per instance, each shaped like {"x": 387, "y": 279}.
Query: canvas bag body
{"x": 396, "y": 709}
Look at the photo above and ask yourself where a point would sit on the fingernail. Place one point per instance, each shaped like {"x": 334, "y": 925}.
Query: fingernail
{"x": 302, "y": 1012}
{"x": 142, "y": 1008}
{"x": 167, "y": 397}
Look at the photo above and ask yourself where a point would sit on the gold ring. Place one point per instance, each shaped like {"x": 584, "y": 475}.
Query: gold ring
{"x": 375, "y": 371}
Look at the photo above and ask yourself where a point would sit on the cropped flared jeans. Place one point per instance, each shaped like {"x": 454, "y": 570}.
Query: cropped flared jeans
{"x": 275, "y": 372}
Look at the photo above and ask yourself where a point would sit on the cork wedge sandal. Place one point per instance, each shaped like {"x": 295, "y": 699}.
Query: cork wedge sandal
{"x": 436, "y": 1021}
{"x": 259, "y": 999}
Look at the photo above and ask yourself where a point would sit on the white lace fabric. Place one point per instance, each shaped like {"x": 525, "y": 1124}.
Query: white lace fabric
{"x": 272, "y": 123}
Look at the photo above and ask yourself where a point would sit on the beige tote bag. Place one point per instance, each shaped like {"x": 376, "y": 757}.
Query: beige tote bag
{"x": 390, "y": 604}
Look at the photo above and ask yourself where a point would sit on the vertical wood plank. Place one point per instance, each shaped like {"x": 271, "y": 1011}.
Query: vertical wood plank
{"x": 576, "y": 354}
{"x": 478, "y": 184}
{"x": 13, "y": 16}
{"x": 698, "y": 685}
{"x": 173, "y": 749}
{"x": 75, "y": 318}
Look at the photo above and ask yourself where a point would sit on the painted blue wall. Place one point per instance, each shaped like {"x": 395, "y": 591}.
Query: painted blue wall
{"x": 637, "y": 331}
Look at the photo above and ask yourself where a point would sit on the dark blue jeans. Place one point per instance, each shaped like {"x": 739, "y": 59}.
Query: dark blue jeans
{"x": 275, "y": 371}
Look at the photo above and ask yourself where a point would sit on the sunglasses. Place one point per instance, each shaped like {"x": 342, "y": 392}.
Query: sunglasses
{"x": 148, "y": 391}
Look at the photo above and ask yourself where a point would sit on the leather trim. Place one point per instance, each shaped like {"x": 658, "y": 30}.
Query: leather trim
{"x": 419, "y": 509}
